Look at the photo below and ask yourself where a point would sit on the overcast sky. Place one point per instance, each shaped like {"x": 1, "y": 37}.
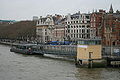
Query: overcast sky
{"x": 26, "y": 9}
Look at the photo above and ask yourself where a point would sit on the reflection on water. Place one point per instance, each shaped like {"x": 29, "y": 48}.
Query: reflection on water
{"x": 98, "y": 74}
{"x": 35, "y": 67}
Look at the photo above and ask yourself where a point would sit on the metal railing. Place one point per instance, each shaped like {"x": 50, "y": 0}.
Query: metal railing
{"x": 68, "y": 50}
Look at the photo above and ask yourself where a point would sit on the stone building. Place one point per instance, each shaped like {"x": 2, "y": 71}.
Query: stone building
{"x": 50, "y": 28}
{"x": 44, "y": 29}
{"x": 77, "y": 26}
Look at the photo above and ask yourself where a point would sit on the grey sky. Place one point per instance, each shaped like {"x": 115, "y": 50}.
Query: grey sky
{"x": 26, "y": 9}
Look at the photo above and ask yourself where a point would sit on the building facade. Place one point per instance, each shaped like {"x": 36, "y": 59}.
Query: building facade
{"x": 111, "y": 25}
{"x": 106, "y": 26}
{"x": 50, "y": 28}
{"x": 111, "y": 28}
{"x": 77, "y": 27}
{"x": 96, "y": 21}
{"x": 59, "y": 32}
{"x": 59, "y": 28}
{"x": 44, "y": 29}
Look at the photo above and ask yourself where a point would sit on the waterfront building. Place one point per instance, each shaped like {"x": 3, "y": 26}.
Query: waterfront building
{"x": 106, "y": 26}
{"x": 77, "y": 26}
{"x": 59, "y": 33}
{"x": 50, "y": 28}
{"x": 111, "y": 35}
{"x": 96, "y": 23}
{"x": 111, "y": 28}
{"x": 59, "y": 28}
{"x": 44, "y": 29}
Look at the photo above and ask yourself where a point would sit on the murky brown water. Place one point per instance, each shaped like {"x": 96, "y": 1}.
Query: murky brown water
{"x": 15, "y": 66}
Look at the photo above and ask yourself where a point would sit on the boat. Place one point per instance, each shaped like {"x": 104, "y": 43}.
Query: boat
{"x": 27, "y": 49}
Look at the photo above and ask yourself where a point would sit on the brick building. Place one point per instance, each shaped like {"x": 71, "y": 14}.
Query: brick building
{"x": 96, "y": 23}
{"x": 59, "y": 28}
{"x": 111, "y": 25}
{"x": 59, "y": 33}
{"x": 106, "y": 26}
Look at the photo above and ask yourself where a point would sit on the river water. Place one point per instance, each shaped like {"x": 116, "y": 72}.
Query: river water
{"x": 14, "y": 66}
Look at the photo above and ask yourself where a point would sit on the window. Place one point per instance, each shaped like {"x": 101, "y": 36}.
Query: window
{"x": 71, "y": 31}
{"x": 68, "y": 31}
{"x": 88, "y": 21}
{"x": 71, "y": 35}
{"x": 74, "y": 31}
{"x": 88, "y": 26}
{"x": 88, "y": 31}
{"x": 68, "y": 26}
{"x": 72, "y": 18}
{"x": 79, "y": 35}
{"x": 77, "y": 30}
{"x": 76, "y": 21}
{"x": 88, "y": 36}
{"x": 83, "y": 31}
{"x": 82, "y": 21}
{"x": 79, "y": 26}
{"x": 74, "y": 35}
{"x": 82, "y": 36}
{"x": 83, "y": 26}
{"x": 74, "y": 26}
{"x": 87, "y": 17}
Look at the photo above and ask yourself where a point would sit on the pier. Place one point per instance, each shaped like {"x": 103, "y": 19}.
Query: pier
{"x": 82, "y": 54}
{"x": 111, "y": 55}
{"x": 63, "y": 50}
